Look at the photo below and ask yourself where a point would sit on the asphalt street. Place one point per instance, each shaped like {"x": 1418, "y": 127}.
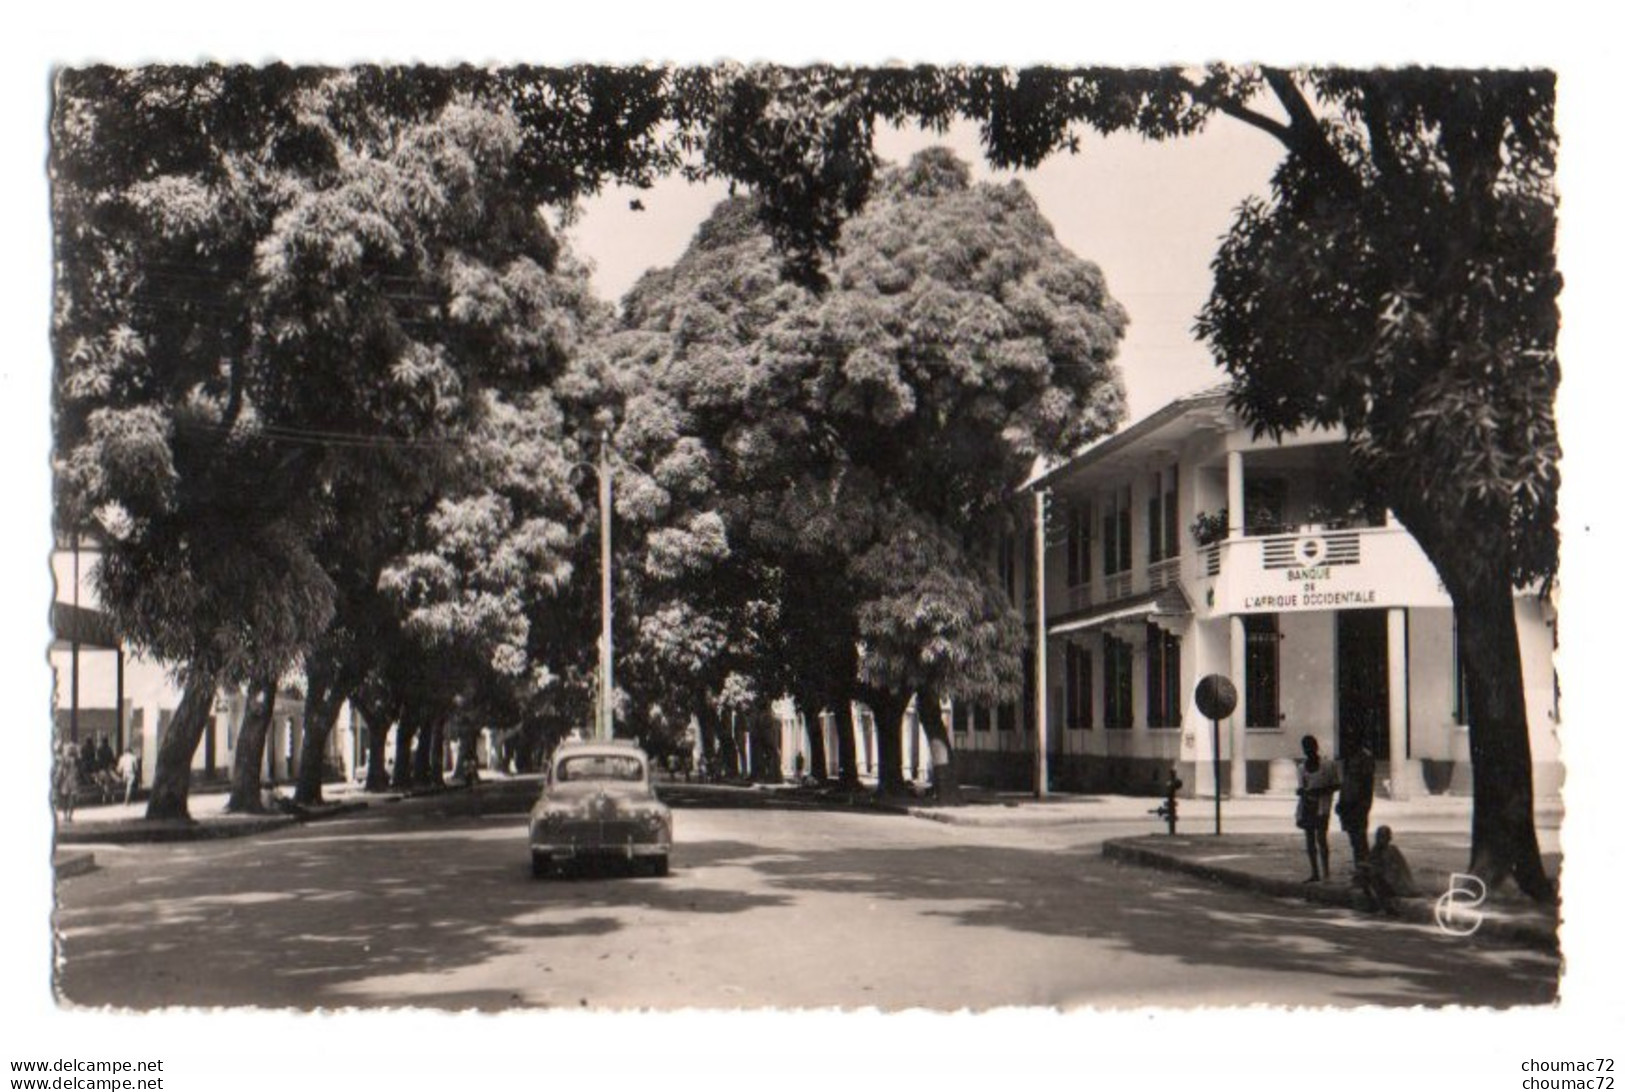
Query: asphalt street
{"x": 428, "y": 903}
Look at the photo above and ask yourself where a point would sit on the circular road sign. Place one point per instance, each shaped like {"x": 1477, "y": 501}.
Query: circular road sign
{"x": 1215, "y": 697}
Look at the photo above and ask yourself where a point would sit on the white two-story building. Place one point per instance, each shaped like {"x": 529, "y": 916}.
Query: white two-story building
{"x": 1184, "y": 546}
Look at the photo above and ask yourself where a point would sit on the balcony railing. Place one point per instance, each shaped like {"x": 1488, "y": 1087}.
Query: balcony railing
{"x": 1079, "y": 597}
{"x": 1308, "y": 570}
{"x": 1160, "y": 574}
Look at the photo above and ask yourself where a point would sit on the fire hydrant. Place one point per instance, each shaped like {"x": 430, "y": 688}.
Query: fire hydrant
{"x": 1169, "y": 810}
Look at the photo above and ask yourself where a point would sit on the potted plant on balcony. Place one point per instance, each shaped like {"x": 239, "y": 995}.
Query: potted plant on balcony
{"x": 1324, "y": 517}
{"x": 1211, "y": 527}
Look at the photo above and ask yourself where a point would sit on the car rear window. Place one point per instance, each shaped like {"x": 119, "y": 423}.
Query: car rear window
{"x": 599, "y": 768}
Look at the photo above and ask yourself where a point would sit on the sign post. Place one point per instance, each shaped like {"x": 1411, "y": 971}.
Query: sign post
{"x": 1216, "y": 699}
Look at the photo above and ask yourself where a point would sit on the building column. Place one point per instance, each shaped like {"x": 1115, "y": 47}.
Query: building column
{"x": 1238, "y": 719}
{"x": 1040, "y": 741}
{"x": 1399, "y": 707}
{"x": 867, "y": 736}
{"x": 118, "y": 699}
{"x": 147, "y": 746}
{"x": 1235, "y": 495}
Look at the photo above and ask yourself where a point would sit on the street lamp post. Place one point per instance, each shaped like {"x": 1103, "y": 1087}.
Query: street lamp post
{"x": 1040, "y": 657}
{"x": 606, "y": 645}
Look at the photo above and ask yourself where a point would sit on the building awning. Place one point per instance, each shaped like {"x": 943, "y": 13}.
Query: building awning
{"x": 83, "y": 626}
{"x": 1168, "y": 602}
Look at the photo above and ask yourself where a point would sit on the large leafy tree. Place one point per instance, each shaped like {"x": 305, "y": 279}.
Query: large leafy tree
{"x": 488, "y": 557}
{"x": 867, "y": 436}
{"x": 1399, "y": 281}
{"x": 158, "y": 207}
{"x": 1405, "y": 266}
{"x": 263, "y": 273}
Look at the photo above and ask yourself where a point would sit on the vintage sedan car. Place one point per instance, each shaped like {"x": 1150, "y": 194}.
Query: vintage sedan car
{"x": 599, "y": 803}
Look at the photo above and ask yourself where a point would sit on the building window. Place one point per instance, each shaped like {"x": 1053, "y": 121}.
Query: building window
{"x": 1078, "y": 560}
{"x": 1263, "y": 636}
{"x": 1080, "y": 688}
{"x": 1162, "y": 516}
{"x": 1116, "y": 531}
{"x": 981, "y": 719}
{"x": 1162, "y": 691}
{"x": 961, "y": 718}
{"x": 1117, "y": 670}
{"x": 1007, "y": 716}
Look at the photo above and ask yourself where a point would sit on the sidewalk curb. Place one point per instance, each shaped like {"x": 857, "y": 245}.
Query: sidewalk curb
{"x": 1417, "y": 911}
{"x": 142, "y": 832}
{"x": 1001, "y": 818}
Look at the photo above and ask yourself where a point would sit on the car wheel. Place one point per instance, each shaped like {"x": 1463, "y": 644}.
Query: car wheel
{"x": 540, "y": 865}
{"x": 660, "y": 866}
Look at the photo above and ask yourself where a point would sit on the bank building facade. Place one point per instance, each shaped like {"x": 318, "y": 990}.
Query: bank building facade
{"x": 1184, "y": 546}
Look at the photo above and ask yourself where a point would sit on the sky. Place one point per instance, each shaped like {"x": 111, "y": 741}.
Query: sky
{"x": 1149, "y": 216}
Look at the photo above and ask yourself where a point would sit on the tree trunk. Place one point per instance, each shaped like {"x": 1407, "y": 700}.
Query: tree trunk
{"x": 727, "y": 760}
{"x": 944, "y": 772}
{"x": 888, "y": 713}
{"x": 766, "y": 758}
{"x": 710, "y": 740}
{"x": 407, "y": 727}
{"x": 1481, "y": 588}
{"x": 172, "y": 770}
{"x": 1504, "y": 841}
{"x": 377, "y": 750}
{"x": 423, "y": 758}
{"x": 437, "y": 755}
{"x": 322, "y": 703}
{"x": 249, "y": 758}
{"x": 817, "y": 757}
{"x": 846, "y": 742}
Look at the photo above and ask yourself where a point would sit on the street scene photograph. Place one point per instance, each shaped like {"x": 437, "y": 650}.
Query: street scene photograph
{"x": 602, "y": 542}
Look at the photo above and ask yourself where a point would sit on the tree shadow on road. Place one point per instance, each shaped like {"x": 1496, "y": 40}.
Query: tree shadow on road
{"x": 1078, "y": 893}
{"x": 301, "y": 918}
{"x": 297, "y": 920}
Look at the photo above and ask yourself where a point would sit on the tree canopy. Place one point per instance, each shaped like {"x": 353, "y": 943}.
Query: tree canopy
{"x": 864, "y": 437}
{"x": 275, "y": 283}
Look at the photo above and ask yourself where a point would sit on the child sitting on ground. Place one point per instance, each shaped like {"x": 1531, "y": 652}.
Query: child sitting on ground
{"x": 1387, "y": 874}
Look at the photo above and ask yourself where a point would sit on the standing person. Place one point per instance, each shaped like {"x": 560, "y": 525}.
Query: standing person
{"x": 129, "y": 772}
{"x": 67, "y": 780}
{"x": 104, "y": 754}
{"x": 85, "y": 757}
{"x": 1354, "y": 799}
{"x": 1317, "y": 782}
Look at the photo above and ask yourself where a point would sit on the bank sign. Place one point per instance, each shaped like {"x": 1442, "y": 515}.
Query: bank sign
{"x": 1314, "y": 589}
{"x": 1337, "y": 570}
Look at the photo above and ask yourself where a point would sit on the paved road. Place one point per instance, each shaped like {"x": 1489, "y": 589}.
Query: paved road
{"x": 422, "y": 903}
